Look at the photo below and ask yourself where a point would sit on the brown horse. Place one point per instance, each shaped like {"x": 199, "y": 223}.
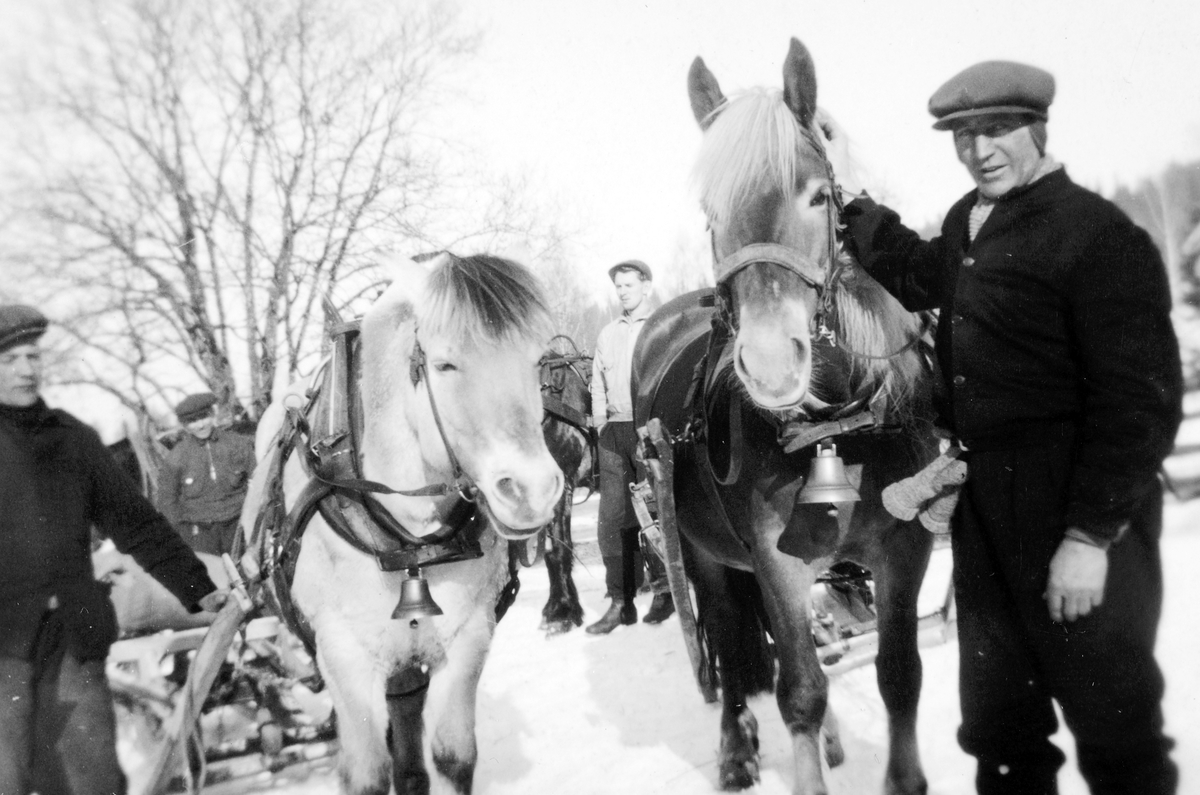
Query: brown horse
{"x": 795, "y": 345}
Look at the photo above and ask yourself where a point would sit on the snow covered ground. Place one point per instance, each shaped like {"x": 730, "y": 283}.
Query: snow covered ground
{"x": 621, "y": 714}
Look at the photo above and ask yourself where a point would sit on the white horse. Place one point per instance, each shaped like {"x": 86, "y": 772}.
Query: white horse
{"x": 450, "y": 394}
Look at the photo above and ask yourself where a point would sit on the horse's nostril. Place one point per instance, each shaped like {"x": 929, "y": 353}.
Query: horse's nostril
{"x": 800, "y": 349}
{"x": 509, "y": 489}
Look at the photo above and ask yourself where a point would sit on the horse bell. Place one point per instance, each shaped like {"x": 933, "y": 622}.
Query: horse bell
{"x": 415, "y": 599}
{"x": 827, "y": 481}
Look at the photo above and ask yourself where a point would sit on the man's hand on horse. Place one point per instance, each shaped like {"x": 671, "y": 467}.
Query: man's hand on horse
{"x": 214, "y": 601}
{"x": 837, "y": 149}
{"x": 1076, "y": 584}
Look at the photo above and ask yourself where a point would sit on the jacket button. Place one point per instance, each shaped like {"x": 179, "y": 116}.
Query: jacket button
{"x": 968, "y": 261}
{"x": 959, "y": 380}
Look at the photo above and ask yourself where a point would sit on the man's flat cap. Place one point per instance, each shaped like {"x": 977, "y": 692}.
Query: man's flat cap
{"x": 635, "y": 264}
{"x": 195, "y": 407}
{"x": 19, "y": 325}
{"x": 993, "y": 87}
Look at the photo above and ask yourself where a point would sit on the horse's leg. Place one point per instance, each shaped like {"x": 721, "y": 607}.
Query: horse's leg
{"x": 831, "y": 735}
{"x": 562, "y": 610}
{"x": 802, "y": 690}
{"x": 726, "y": 603}
{"x": 450, "y": 707}
{"x": 357, "y": 693}
{"x": 406, "y": 691}
{"x": 898, "y": 572}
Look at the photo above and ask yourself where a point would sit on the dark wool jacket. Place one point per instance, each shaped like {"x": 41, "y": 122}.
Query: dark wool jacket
{"x": 57, "y": 480}
{"x": 205, "y": 481}
{"x": 1054, "y": 322}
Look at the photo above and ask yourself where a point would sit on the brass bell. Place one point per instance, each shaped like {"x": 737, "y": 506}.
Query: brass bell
{"x": 415, "y": 599}
{"x": 827, "y": 480}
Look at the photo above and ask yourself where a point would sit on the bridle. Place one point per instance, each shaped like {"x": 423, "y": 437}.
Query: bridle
{"x": 552, "y": 400}
{"x": 326, "y": 429}
{"x": 418, "y": 371}
{"x": 552, "y": 397}
{"x": 821, "y": 277}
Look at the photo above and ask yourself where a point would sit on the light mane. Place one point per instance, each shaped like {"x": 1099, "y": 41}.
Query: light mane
{"x": 485, "y": 297}
{"x": 871, "y": 322}
{"x": 755, "y": 145}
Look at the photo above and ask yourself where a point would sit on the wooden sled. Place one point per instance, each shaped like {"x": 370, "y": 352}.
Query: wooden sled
{"x": 132, "y": 671}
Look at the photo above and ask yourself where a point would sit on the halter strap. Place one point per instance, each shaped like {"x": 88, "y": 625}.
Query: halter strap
{"x": 418, "y": 371}
{"x": 811, "y": 272}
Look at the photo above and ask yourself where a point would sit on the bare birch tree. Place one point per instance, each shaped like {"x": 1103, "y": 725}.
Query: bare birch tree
{"x": 206, "y": 172}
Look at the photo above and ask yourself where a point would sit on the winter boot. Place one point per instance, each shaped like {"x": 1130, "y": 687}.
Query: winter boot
{"x": 619, "y": 612}
{"x": 660, "y": 609}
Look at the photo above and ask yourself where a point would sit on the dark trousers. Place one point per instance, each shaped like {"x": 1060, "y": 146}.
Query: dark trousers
{"x": 57, "y": 728}
{"x": 213, "y": 538}
{"x": 1014, "y": 660}
{"x": 617, "y": 528}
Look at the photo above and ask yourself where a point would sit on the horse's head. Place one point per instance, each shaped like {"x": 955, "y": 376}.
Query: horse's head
{"x": 566, "y": 374}
{"x": 765, "y": 187}
{"x": 451, "y": 377}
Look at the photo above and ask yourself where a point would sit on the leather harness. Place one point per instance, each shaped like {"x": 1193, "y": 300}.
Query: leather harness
{"x": 326, "y": 432}
{"x": 864, "y": 412}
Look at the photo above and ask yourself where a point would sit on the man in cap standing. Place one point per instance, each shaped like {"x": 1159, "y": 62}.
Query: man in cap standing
{"x": 612, "y": 413}
{"x": 57, "y": 480}
{"x": 204, "y": 478}
{"x": 1063, "y": 385}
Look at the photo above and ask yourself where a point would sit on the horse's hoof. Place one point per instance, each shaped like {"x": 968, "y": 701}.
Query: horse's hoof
{"x": 554, "y": 628}
{"x": 739, "y": 775}
{"x": 834, "y": 753}
{"x": 915, "y": 785}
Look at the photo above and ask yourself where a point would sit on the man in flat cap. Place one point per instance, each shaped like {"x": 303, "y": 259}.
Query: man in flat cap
{"x": 57, "y": 481}
{"x": 1063, "y": 384}
{"x": 203, "y": 481}
{"x": 612, "y": 411}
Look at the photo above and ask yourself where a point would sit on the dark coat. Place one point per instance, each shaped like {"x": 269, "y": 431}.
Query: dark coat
{"x": 205, "y": 481}
{"x": 1058, "y": 314}
{"x": 57, "y": 481}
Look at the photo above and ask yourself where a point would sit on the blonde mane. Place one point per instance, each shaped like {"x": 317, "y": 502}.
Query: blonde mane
{"x": 484, "y": 297}
{"x": 755, "y": 146}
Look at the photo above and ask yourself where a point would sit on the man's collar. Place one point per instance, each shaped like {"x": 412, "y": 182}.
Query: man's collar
{"x": 32, "y": 416}
{"x": 1048, "y": 167}
{"x": 640, "y": 312}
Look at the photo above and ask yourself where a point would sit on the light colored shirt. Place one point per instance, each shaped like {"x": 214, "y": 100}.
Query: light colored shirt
{"x": 612, "y": 367}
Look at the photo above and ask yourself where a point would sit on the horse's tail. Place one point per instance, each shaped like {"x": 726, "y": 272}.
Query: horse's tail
{"x": 734, "y": 631}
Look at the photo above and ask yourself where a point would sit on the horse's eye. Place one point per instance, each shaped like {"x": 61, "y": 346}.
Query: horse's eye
{"x": 820, "y": 198}
{"x": 444, "y": 367}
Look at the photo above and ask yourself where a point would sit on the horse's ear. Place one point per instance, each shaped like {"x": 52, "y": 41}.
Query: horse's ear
{"x": 800, "y": 83}
{"x": 704, "y": 93}
{"x": 410, "y": 270}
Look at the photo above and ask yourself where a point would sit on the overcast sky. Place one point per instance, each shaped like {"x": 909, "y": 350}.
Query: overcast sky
{"x": 591, "y": 96}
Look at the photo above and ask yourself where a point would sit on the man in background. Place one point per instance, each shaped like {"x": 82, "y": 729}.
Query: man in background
{"x": 203, "y": 481}
{"x": 57, "y": 480}
{"x": 618, "y": 529}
